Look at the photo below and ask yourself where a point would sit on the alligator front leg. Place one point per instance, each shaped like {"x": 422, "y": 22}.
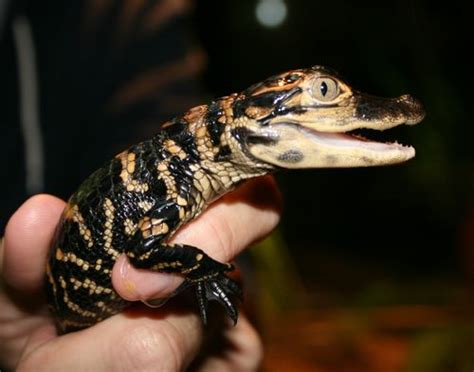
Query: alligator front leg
{"x": 199, "y": 270}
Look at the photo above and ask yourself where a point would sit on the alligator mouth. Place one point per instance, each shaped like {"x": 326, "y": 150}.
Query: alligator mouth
{"x": 292, "y": 145}
{"x": 369, "y": 139}
{"x": 377, "y": 136}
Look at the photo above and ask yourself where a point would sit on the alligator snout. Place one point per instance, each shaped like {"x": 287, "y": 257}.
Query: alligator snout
{"x": 405, "y": 109}
{"x": 412, "y": 108}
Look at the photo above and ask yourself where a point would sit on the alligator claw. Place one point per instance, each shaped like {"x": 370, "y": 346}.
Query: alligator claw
{"x": 218, "y": 288}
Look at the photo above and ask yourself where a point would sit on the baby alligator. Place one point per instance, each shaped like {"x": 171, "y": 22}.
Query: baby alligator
{"x": 136, "y": 201}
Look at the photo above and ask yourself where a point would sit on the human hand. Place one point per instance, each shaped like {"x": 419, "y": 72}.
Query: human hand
{"x": 168, "y": 338}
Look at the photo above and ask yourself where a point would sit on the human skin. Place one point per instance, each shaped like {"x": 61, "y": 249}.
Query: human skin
{"x": 170, "y": 338}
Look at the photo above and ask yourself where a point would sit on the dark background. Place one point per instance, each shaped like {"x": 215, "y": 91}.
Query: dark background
{"x": 371, "y": 269}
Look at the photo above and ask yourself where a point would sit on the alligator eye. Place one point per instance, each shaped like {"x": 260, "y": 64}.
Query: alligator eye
{"x": 325, "y": 89}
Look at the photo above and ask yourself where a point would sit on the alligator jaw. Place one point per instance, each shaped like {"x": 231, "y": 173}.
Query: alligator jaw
{"x": 347, "y": 150}
{"x": 298, "y": 146}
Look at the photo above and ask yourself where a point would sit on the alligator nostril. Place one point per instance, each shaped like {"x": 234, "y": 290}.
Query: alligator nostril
{"x": 408, "y": 99}
{"x": 413, "y": 108}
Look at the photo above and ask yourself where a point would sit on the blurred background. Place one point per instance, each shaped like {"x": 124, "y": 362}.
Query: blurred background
{"x": 371, "y": 269}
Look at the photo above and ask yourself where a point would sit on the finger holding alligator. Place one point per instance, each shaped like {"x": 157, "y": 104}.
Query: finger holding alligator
{"x": 223, "y": 231}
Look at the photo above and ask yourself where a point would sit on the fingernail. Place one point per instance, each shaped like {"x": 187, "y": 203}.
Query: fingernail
{"x": 144, "y": 285}
{"x": 157, "y": 302}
